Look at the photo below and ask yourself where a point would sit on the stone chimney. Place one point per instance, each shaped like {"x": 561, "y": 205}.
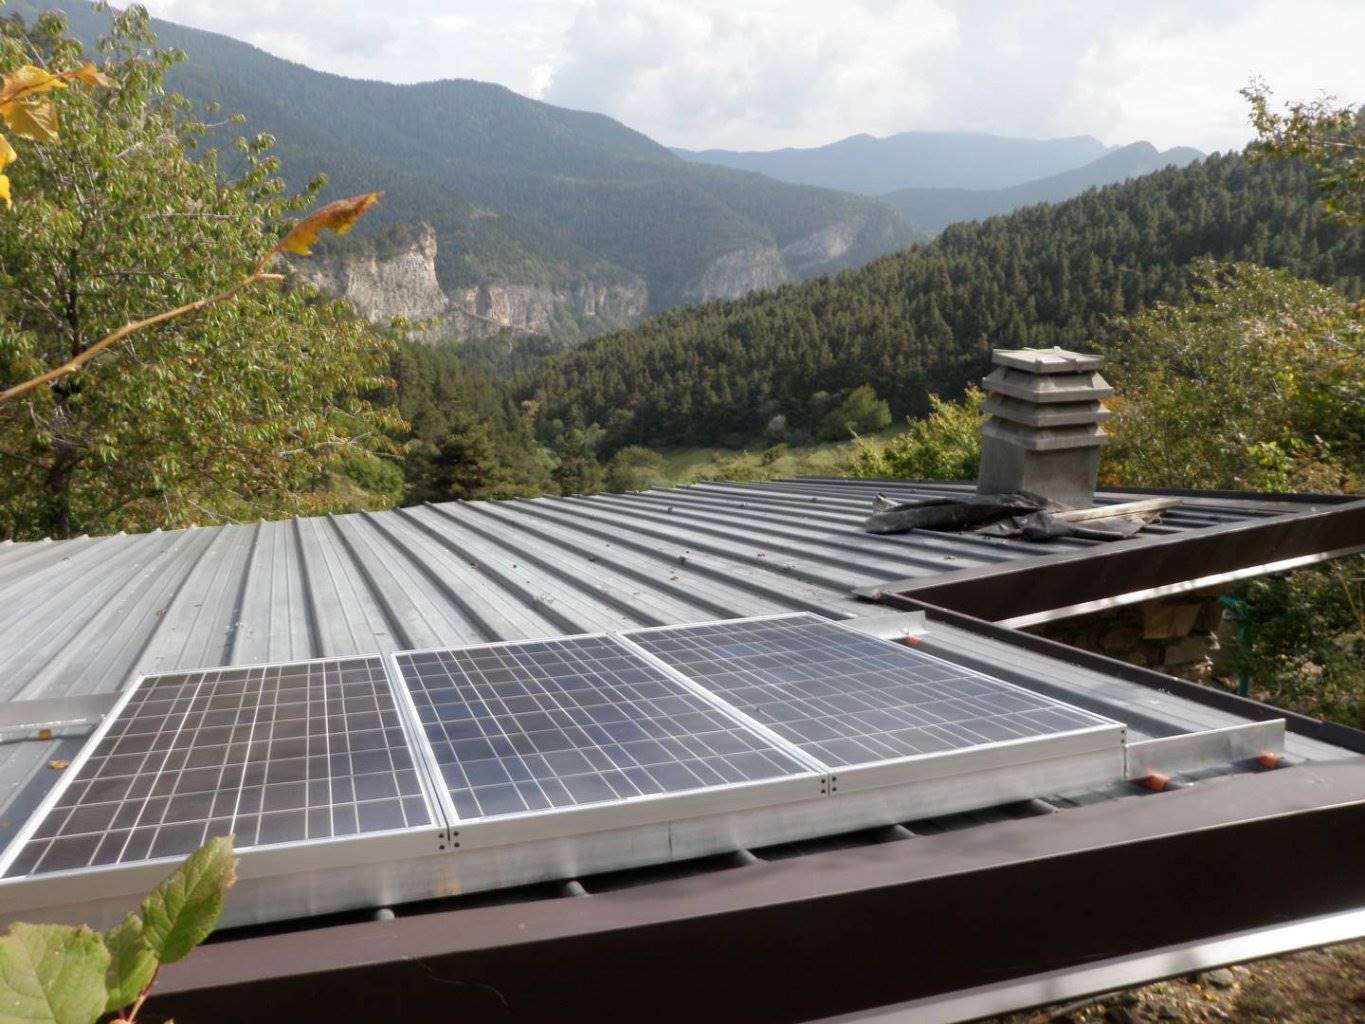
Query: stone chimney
{"x": 1043, "y": 436}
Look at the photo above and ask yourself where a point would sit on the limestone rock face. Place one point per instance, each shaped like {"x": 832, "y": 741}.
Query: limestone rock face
{"x": 738, "y": 273}
{"x": 843, "y": 243}
{"x": 809, "y": 255}
{"x": 399, "y": 279}
{"x": 402, "y": 283}
{"x": 395, "y": 276}
{"x": 492, "y": 306}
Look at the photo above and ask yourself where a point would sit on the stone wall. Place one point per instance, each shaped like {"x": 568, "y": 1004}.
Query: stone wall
{"x": 1176, "y": 635}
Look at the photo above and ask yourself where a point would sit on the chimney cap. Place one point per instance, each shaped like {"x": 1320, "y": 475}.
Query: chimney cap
{"x": 1047, "y": 360}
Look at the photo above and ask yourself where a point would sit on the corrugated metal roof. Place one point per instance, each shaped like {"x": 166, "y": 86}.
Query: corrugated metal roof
{"x": 87, "y": 615}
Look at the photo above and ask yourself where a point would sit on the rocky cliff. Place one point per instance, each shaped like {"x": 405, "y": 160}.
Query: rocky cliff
{"x": 737, "y": 273}
{"x": 814, "y": 253}
{"x": 547, "y": 309}
{"x": 382, "y": 282}
{"x": 395, "y": 276}
{"x": 833, "y": 247}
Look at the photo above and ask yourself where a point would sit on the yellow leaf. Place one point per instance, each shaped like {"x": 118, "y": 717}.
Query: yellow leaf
{"x": 338, "y": 215}
{"x": 7, "y": 157}
{"x": 34, "y": 119}
{"x": 28, "y": 81}
{"x": 90, "y": 75}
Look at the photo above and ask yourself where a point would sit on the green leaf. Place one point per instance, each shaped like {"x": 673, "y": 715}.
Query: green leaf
{"x": 51, "y": 974}
{"x": 180, "y": 912}
{"x": 132, "y": 964}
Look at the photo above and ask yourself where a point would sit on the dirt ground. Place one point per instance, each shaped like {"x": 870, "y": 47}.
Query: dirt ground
{"x": 1323, "y": 986}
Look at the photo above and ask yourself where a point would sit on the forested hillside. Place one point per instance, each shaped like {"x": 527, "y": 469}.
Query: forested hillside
{"x": 923, "y": 321}
{"x": 520, "y": 190}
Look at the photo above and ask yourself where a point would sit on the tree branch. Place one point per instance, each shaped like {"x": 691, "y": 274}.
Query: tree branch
{"x": 114, "y": 337}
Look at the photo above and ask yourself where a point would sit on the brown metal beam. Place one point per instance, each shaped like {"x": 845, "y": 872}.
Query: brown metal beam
{"x": 833, "y": 932}
{"x": 1027, "y": 586}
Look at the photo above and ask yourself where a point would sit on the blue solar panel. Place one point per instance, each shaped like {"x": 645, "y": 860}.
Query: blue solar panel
{"x": 846, "y": 698}
{"x": 315, "y": 751}
{"x": 549, "y": 724}
{"x": 271, "y": 755}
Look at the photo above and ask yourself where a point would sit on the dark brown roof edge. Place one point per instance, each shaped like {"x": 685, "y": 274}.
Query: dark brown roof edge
{"x": 1266, "y": 499}
{"x": 832, "y": 932}
{"x": 1027, "y": 586}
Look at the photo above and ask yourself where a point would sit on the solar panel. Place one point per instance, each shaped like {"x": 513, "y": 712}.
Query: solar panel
{"x": 475, "y": 768}
{"x": 543, "y": 725}
{"x": 272, "y": 755}
{"x": 847, "y": 698}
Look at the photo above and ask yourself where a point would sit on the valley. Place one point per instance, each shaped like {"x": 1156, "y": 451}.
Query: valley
{"x": 521, "y": 194}
{"x": 562, "y": 224}
{"x": 922, "y": 321}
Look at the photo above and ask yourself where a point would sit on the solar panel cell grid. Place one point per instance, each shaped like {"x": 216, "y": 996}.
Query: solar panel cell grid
{"x": 564, "y": 723}
{"x": 272, "y": 755}
{"x": 849, "y": 699}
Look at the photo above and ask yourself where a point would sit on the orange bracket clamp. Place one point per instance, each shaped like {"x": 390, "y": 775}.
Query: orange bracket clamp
{"x": 1155, "y": 781}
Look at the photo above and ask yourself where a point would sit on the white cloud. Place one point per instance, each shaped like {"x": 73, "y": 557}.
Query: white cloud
{"x": 453, "y": 23}
{"x": 397, "y": 40}
{"x": 763, "y": 73}
{"x": 710, "y": 74}
{"x": 1179, "y": 84}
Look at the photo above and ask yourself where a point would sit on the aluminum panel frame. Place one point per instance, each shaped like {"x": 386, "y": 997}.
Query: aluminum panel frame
{"x": 303, "y": 877}
{"x": 555, "y": 844}
{"x": 1106, "y": 735}
{"x": 1187, "y": 752}
{"x": 1107, "y": 741}
{"x": 636, "y": 812}
{"x": 315, "y": 876}
{"x": 726, "y": 797}
{"x": 494, "y": 853}
{"x": 461, "y": 856}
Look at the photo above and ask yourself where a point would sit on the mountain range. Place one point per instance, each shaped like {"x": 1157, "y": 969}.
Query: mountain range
{"x": 934, "y": 179}
{"x": 874, "y": 166}
{"x": 522, "y": 192}
{"x": 924, "y": 321}
{"x": 933, "y": 209}
{"x": 502, "y": 211}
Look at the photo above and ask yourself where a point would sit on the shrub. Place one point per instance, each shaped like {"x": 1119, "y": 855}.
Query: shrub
{"x": 1256, "y": 383}
{"x": 860, "y": 412}
{"x": 1301, "y": 640}
{"x": 635, "y": 468}
{"x": 945, "y": 445}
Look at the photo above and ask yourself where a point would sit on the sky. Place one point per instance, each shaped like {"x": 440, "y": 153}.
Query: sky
{"x": 761, "y": 74}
